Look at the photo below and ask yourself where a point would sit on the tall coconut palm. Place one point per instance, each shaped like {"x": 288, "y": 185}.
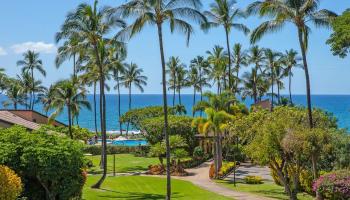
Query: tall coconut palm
{"x": 70, "y": 49}
{"x": 132, "y": 75}
{"x": 93, "y": 24}
{"x": 46, "y": 99}
{"x": 239, "y": 58}
{"x": 30, "y": 63}
{"x": 67, "y": 94}
{"x": 173, "y": 64}
{"x": 218, "y": 58}
{"x": 298, "y": 12}
{"x": 203, "y": 68}
{"x": 273, "y": 59}
{"x": 15, "y": 94}
{"x": 194, "y": 80}
{"x": 181, "y": 80}
{"x": 291, "y": 60}
{"x": 177, "y": 13}
{"x": 3, "y": 79}
{"x": 224, "y": 13}
{"x": 251, "y": 82}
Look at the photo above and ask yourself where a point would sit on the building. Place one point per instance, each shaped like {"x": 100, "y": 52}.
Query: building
{"x": 29, "y": 119}
{"x": 265, "y": 104}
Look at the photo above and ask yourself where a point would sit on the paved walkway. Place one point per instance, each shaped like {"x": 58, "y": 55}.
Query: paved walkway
{"x": 200, "y": 177}
{"x": 246, "y": 169}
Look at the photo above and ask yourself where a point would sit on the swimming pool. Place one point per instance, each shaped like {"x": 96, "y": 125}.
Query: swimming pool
{"x": 128, "y": 143}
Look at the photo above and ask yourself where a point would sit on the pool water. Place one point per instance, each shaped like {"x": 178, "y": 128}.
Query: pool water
{"x": 128, "y": 143}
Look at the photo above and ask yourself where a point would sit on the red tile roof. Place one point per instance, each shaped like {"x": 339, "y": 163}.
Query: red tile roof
{"x": 13, "y": 119}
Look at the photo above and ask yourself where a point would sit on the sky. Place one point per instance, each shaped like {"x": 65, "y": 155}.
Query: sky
{"x": 32, "y": 25}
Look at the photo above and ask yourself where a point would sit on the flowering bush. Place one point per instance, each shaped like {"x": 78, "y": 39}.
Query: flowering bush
{"x": 226, "y": 168}
{"x": 335, "y": 185}
{"x": 10, "y": 184}
{"x": 253, "y": 180}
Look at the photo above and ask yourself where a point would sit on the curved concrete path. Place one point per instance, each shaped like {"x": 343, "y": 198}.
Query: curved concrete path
{"x": 200, "y": 177}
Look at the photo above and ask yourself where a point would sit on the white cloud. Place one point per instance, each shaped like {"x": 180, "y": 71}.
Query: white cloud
{"x": 2, "y": 52}
{"x": 41, "y": 47}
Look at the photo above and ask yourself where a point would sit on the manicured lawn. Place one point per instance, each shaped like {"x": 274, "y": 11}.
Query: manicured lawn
{"x": 139, "y": 187}
{"x": 124, "y": 163}
{"x": 267, "y": 189}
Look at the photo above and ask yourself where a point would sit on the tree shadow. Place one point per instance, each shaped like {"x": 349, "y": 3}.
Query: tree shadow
{"x": 134, "y": 195}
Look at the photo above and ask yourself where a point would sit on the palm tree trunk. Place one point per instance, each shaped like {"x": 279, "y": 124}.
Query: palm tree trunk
{"x": 165, "y": 107}
{"x": 237, "y": 74}
{"x": 194, "y": 99}
{"x": 74, "y": 67}
{"x": 200, "y": 85}
{"x": 102, "y": 119}
{"x": 307, "y": 77}
{"x": 290, "y": 86}
{"x": 70, "y": 120}
{"x": 272, "y": 83}
{"x": 32, "y": 92}
{"x": 179, "y": 95}
{"x": 174, "y": 92}
{"x": 15, "y": 105}
{"x": 127, "y": 127}
{"x": 95, "y": 110}
{"x": 229, "y": 59}
{"x": 119, "y": 114}
{"x": 278, "y": 93}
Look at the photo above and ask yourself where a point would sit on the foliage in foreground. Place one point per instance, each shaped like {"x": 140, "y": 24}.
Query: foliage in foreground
{"x": 335, "y": 185}
{"x": 288, "y": 146}
{"x": 50, "y": 166}
{"x": 10, "y": 184}
{"x": 78, "y": 132}
{"x": 340, "y": 38}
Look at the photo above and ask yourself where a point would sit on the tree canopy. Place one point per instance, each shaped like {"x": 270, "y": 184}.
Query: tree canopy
{"x": 340, "y": 38}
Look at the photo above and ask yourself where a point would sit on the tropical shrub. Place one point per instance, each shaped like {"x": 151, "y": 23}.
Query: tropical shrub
{"x": 136, "y": 116}
{"x": 226, "y": 168}
{"x": 335, "y": 185}
{"x": 10, "y": 184}
{"x": 178, "y": 125}
{"x": 198, "y": 153}
{"x": 49, "y": 165}
{"x": 253, "y": 180}
{"x": 79, "y": 133}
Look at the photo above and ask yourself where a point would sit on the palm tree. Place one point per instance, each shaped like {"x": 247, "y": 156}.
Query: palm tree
{"x": 203, "y": 69}
{"x": 223, "y": 13}
{"x": 216, "y": 124}
{"x": 30, "y": 63}
{"x": 68, "y": 94}
{"x": 181, "y": 80}
{"x": 298, "y": 12}
{"x": 132, "y": 75}
{"x": 93, "y": 25}
{"x": 279, "y": 76}
{"x": 291, "y": 60}
{"x": 217, "y": 58}
{"x": 272, "y": 64}
{"x": 15, "y": 94}
{"x": 69, "y": 49}
{"x": 177, "y": 13}
{"x": 251, "y": 82}
{"x": 46, "y": 99}
{"x": 3, "y": 79}
{"x": 239, "y": 58}
{"x": 172, "y": 65}
{"x": 194, "y": 80}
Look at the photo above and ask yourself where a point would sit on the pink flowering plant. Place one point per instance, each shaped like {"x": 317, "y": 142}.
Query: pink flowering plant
{"x": 334, "y": 186}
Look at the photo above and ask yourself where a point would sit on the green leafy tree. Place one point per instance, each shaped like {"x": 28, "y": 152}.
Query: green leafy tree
{"x": 298, "y": 12}
{"x": 15, "y": 94}
{"x": 36, "y": 156}
{"x": 339, "y": 40}
{"x": 224, "y": 13}
{"x": 175, "y": 12}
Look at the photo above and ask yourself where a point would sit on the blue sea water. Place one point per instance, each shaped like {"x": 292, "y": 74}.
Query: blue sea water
{"x": 339, "y": 105}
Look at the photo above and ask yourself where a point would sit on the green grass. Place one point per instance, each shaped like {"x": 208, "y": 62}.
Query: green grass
{"x": 139, "y": 187}
{"x": 266, "y": 189}
{"x": 124, "y": 163}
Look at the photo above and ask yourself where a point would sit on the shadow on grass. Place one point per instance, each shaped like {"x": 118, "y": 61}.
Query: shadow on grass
{"x": 95, "y": 170}
{"x": 133, "y": 195}
{"x": 276, "y": 193}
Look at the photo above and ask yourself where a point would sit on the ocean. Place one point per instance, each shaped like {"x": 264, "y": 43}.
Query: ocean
{"x": 339, "y": 105}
